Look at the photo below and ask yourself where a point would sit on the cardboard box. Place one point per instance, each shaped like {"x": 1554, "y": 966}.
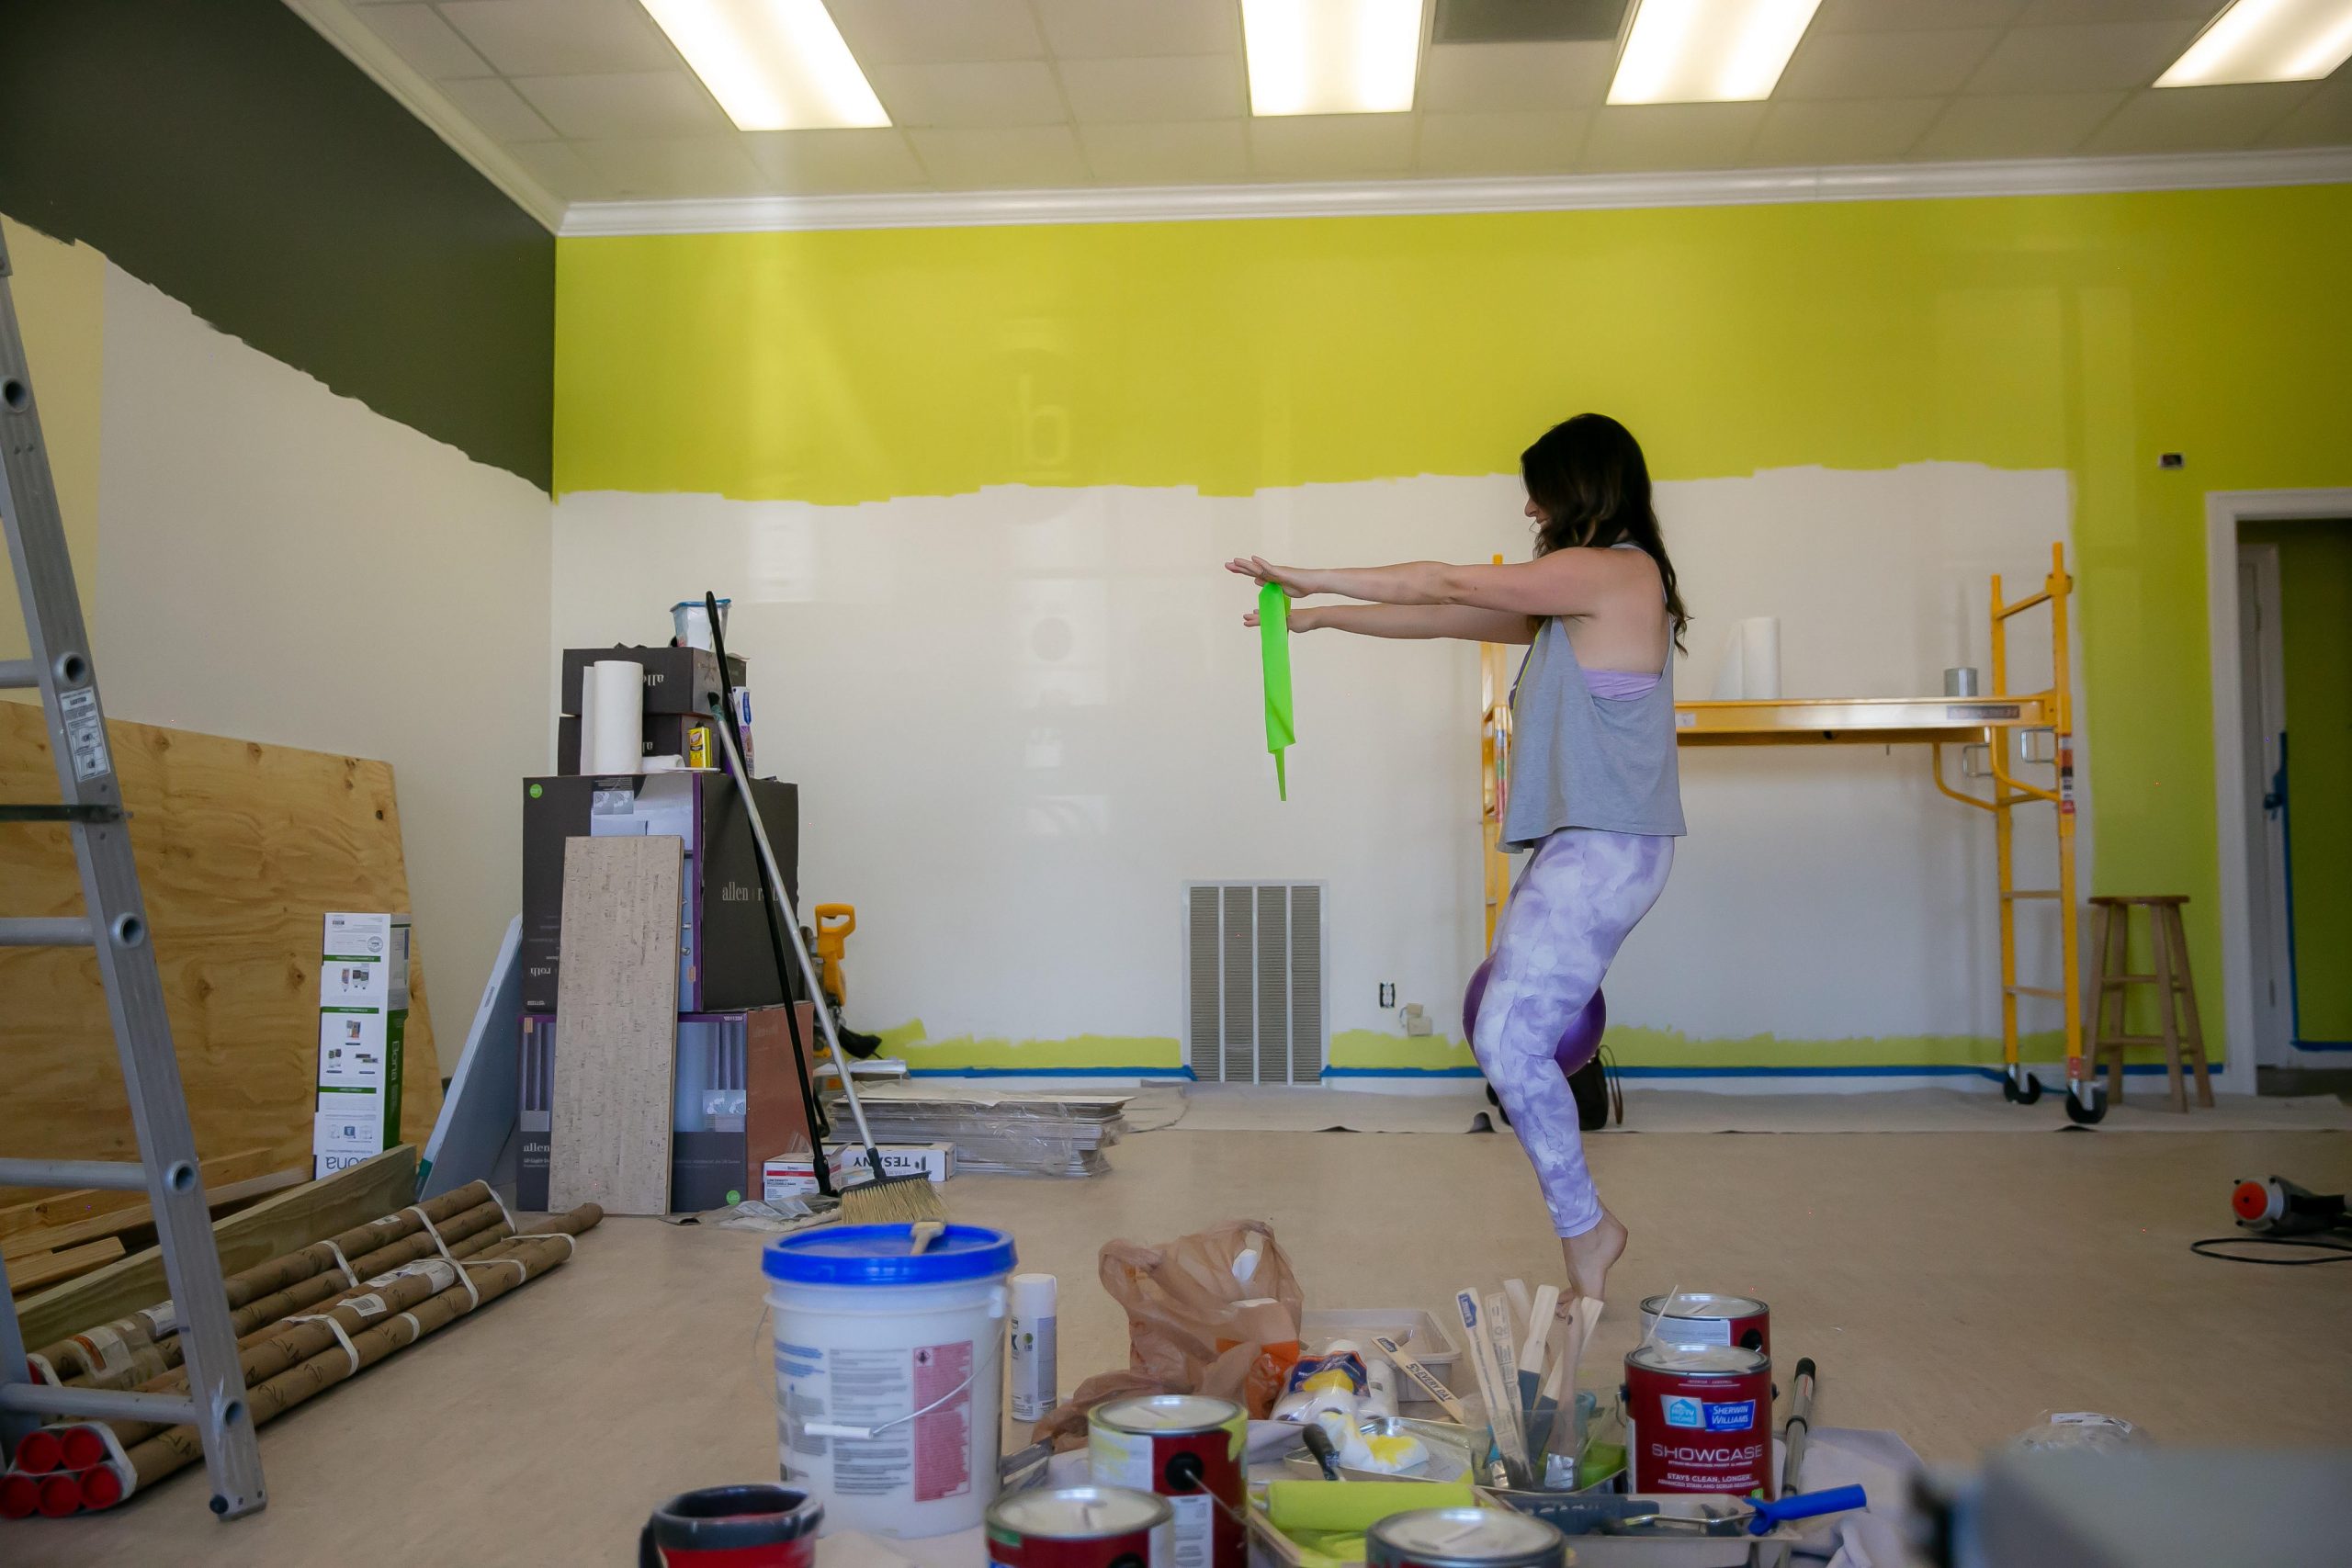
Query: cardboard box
{"x": 666, "y": 734}
{"x": 363, "y": 1020}
{"x": 677, "y": 680}
{"x": 796, "y": 1175}
{"x": 725, "y": 962}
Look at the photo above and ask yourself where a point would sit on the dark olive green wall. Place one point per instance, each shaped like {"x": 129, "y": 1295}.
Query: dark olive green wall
{"x": 226, "y": 154}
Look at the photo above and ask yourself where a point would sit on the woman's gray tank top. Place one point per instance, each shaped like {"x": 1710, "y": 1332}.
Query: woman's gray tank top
{"x": 1578, "y": 760}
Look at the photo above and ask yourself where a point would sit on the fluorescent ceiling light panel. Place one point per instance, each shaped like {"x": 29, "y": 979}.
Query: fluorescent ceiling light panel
{"x": 2267, "y": 40}
{"x": 1708, "y": 52}
{"x": 1331, "y": 56}
{"x": 772, "y": 64}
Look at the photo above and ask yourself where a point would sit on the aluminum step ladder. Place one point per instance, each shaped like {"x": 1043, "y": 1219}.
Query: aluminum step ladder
{"x": 115, "y": 924}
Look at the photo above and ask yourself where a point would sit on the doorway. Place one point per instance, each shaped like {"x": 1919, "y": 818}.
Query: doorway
{"x": 2281, "y": 610}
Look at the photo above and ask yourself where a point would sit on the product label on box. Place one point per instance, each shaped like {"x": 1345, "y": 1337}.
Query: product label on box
{"x": 353, "y": 1131}
{"x": 352, "y": 1050}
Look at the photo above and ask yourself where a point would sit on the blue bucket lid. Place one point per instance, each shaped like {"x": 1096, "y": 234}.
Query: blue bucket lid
{"x": 883, "y": 1255}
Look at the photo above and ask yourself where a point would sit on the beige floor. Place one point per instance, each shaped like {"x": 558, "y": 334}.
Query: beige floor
{"x": 1951, "y": 1288}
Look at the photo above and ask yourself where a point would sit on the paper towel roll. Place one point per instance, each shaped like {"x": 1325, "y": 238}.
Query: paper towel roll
{"x": 1750, "y": 670}
{"x": 616, "y": 699}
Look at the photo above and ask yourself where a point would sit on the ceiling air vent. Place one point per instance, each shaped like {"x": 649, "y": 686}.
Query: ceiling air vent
{"x": 1528, "y": 21}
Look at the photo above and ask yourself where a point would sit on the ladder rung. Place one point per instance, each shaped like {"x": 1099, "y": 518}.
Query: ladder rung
{"x": 18, "y": 672}
{"x": 60, "y": 812}
{"x": 2106, "y": 980}
{"x": 2031, "y": 893}
{"x": 34, "y": 931}
{"x": 2035, "y": 991}
{"x": 48, "y": 1399}
{"x": 118, "y": 1176}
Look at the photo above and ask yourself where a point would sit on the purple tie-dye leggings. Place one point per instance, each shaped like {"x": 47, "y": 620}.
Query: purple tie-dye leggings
{"x": 1576, "y": 898}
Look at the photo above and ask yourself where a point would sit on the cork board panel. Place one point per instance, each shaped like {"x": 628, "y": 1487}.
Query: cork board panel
{"x": 616, "y": 1005}
{"x": 241, "y": 848}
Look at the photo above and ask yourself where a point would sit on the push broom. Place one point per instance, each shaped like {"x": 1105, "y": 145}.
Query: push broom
{"x": 886, "y": 1200}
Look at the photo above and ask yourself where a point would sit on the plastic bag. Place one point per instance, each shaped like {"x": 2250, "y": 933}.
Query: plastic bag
{"x": 1204, "y": 1313}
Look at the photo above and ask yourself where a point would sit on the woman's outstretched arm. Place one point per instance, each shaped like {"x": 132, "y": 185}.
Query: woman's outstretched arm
{"x": 1563, "y": 582}
{"x": 1410, "y": 621}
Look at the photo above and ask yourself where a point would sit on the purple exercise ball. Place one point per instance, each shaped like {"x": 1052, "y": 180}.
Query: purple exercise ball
{"x": 1579, "y": 1041}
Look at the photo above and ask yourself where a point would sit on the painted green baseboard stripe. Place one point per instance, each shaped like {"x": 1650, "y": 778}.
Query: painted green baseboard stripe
{"x": 1161, "y": 1073}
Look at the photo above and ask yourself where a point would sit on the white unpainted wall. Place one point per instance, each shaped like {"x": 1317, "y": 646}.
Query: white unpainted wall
{"x": 1022, "y": 718}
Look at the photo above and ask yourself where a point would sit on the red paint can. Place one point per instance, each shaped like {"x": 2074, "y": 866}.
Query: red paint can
{"x": 733, "y": 1527}
{"x": 1699, "y": 1418}
{"x": 1188, "y": 1448}
{"x": 1701, "y": 1317}
{"x": 1463, "y": 1537}
{"x": 1081, "y": 1527}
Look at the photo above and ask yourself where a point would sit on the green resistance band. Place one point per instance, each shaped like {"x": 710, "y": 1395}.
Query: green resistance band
{"x": 1273, "y": 642}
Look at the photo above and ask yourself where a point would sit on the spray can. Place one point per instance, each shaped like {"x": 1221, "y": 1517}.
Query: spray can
{"x": 1035, "y": 1377}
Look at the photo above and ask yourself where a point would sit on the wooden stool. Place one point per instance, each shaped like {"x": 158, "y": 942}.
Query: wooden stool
{"x": 2176, "y": 993}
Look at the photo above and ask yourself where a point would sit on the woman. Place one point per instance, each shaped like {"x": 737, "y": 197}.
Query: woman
{"x": 1594, "y": 792}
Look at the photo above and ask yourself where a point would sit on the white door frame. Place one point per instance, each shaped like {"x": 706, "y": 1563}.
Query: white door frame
{"x": 2270, "y": 977}
{"x": 2224, "y": 509}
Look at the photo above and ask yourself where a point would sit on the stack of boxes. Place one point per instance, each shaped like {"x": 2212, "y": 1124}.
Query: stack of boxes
{"x": 363, "y": 1015}
{"x": 731, "y": 1027}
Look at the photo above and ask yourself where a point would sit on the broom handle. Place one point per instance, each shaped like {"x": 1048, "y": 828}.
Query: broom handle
{"x": 782, "y": 896}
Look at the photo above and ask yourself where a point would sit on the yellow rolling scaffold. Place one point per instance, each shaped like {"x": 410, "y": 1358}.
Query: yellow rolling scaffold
{"x": 2004, "y": 728}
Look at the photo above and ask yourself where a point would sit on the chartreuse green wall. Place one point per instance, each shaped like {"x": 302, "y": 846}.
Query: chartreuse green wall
{"x": 2315, "y": 631}
{"x": 2090, "y": 334}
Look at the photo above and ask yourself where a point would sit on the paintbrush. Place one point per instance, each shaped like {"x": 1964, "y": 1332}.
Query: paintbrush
{"x": 886, "y": 1200}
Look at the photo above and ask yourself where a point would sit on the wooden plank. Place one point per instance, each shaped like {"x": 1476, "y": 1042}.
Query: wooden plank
{"x": 27, "y": 1274}
{"x": 617, "y": 1003}
{"x": 61, "y": 1209}
{"x": 292, "y": 1220}
{"x": 25, "y": 1244}
{"x": 773, "y": 1116}
{"x": 242, "y": 847}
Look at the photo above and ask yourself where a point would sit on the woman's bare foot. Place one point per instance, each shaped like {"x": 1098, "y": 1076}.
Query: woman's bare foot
{"x": 1591, "y": 1256}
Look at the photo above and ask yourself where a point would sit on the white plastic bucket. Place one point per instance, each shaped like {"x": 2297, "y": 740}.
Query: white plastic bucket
{"x": 888, "y": 1369}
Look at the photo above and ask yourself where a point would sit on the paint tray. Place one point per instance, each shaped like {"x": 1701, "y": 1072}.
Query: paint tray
{"x": 1450, "y": 1450}
{"x": 1430, "y": 1342}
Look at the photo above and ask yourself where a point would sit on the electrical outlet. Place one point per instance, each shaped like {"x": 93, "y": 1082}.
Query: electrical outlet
{"x": 1387, "y": 994}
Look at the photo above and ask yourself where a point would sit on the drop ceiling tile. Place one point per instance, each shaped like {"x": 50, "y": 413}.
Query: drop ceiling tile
{"x": 1103, "y": 29}
{"x": 676, "y": 168}
{"x": 2086, "y": 58}
{"x": 1004, "y": 157}
{"x": 627, "y": 105}
{"x": 2323, "y": 120}
{"x": 1194, "y": 152}
{"x": 970, "y": 93}
{"x": 1170, "y": 87}
{"x": 498, "y": 109}
{"x": 1484, "y": 77}
{"x": 926, "y": 32}
{"x": 425, "y": 41}
{"x": 1841, "y": 130}
{"x": 2198, "y": 120}
{"x": 559, "y": 167}
{"x": 1896, "y": 16}
{"x": 561, "y": 37}
{"x": 2036, "y": 125}
{"x": 1923, "y": 62}
{"x": 1671, "y": 136}
{"x": 1520, "y": 142}
{"x": 1331, "y": 146}
{"x": 829, "y": 163}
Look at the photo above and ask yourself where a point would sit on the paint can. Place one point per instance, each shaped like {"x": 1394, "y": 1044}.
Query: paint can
{"x": 890, "y": 1363}
{"x": 1463, "y": 1537}
{"x": 1081, "y": 1527}
{"x": 1701, "y": 1317}
{"x": 740, "y": 1527}
{"x": 1961, "y": 681}
{"x": 1188, "y": 1448}
{"x": 1699, "y": 1418}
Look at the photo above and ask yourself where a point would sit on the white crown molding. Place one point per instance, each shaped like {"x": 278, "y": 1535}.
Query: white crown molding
{"x": 333, "y": 21}
{"x": 1562, "y": 193}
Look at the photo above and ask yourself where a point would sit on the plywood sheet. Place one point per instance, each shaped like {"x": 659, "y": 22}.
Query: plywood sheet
{"x": 616, "y": 1001}
{"x": 242, "y": 847}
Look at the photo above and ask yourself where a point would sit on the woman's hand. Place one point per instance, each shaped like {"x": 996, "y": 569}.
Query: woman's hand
{"x": 1297, "y": 620}
{"x": 1293, "y": 580}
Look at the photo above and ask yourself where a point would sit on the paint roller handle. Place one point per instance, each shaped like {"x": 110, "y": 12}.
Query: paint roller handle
{"x": 1806, "y": 1505}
